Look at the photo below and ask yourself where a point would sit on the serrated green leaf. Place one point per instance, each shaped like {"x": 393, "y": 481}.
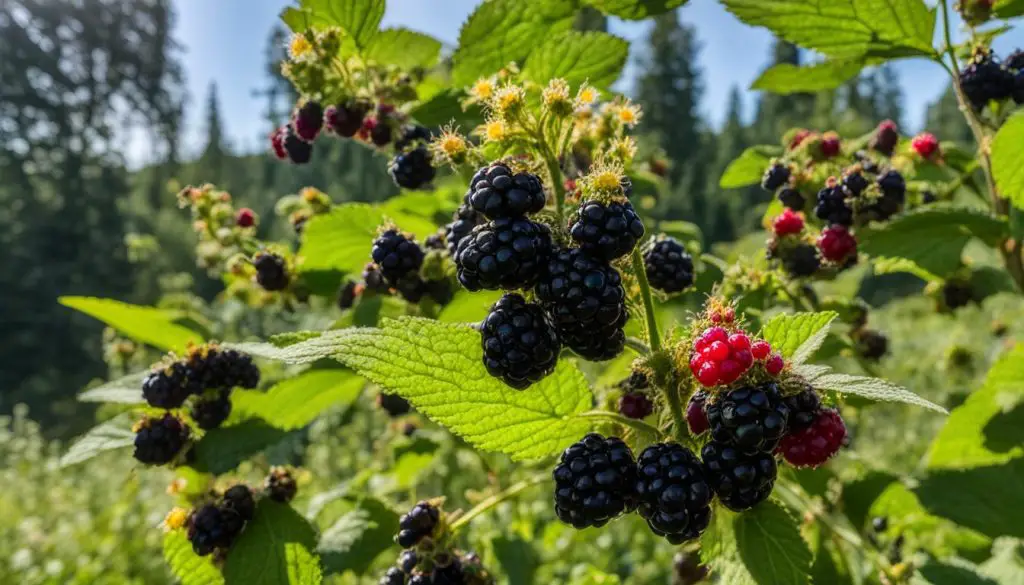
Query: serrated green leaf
{"x": 769, "y": 544}
{"x": 404, "y": 48}
{"x": 845, "y": 29}
{"x": 293, "y": 337}
{"x": 971, "y": 436}
{"x": 358, "y": 537}
{"x": 635, "y": 9}
{"x": 1009, "y": 8}
{"x": 1008, "y": 160}
{"x": 447, "y": 382}
{"x": 595, "y": 57}
{"x": 223, "y": 449}
{"x": 503, "y": 31}
{"x": 147, "y": 325}
{"x": 902, "y": 265}
{"x": 746, "y": 170}
{"x": 933, "y": 237}
{"x": 987, "y": 499}
{"x": 359, "y": 19}
{"x": 274, "y": 549}
{"x": 469, "y": 307}
{"x": 860, "y": 494}
{"x": 873, "y": 389}
{"x": 124, "y": 390}
{"x": 719, "y": 550}
{"x": 951, "y": 572}
{"x": 188, "y": 567}
{"x": 798, "y": 336}
{"x": 786, "y": 78}
{"x": 295, "y": 402}
{"x": 116, "y": 433}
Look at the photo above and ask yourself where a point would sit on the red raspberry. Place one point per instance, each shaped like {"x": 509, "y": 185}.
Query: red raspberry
{"x": 817, "y": 443}
{"x": 707, "y": 375}
{"x": 799, "y": 138}
{"x": 926, "y": 145}
{"x": 744, "y": 357}
{"x": 717, "y": 351}
{"x": 830, "y": 144}
{"x": 739, "y": 341}
{"x": 788, "y": 223}
{"x": 277, "y": 143}
{"x": 837, "y": 243}
{"x": 760, "y": 349}
{"x": 729, "y": 371}
{"x": 635, "y": 405}
{"x": 775, "y": 364}
{"x": 712, "y": 334}
{"x": 245, "y": 218}
{"x": 696, "y": 416}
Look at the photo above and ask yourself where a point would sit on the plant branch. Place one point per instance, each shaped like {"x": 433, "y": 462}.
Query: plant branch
{"x": 638, "y": 346}
{"x": 637, "y": 425}
{"x": 653, "y": 337}
{"x": 495, "y": 499}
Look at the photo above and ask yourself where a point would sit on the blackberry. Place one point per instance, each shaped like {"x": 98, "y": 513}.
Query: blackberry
{"x": 224, "y": 369}
{"x": 308, "y": 120}
{"x": 801, "y": 260}
{"x": 393, "y": 576}
{"x": 396, "y": 255}
{"x": 587, "y": 303}
{"x": 740, "y": 481}
{"x": 832, "y": 206}
{"x": 374, "y": 279}
{"x": 167, "y": 387}
{"x": 298, "y": 150}
{"x": 803, "y": 409}
{"x": 440, "y": 290}
{"x": 674, "y": 496}
{"x": 870, "y": 344}
{"x": 886, "y": 138}
{"x": 434, "y": 242}
{"x": 893, "y": 194}
{"x": 688, "y": 569}
{"x": 855, "y": 183}
{"x": 956, "y": 294}
{"x": 381, "y": 134}
{"x": 497, "y": 192}
{"x": 792, "y": 199}
{"x": 776, "y": 176}
{"x": 347, "y": 295}
{"x": 280, "y": 486}
{"x": 419, "y": 135}
{"x": 420, "y": 579}
{"x": 412, "y": 288}
{"x": 210, "y": 413}
{"x": 463, "y": 221}
{"x": 606, "y": 231}
{"x": 751, "y": 418}
{"x": 413, "y": 169}
{"x": 450, "y": 574}
{"x": 1015, "y": 61}
{"x": 636, "y": 405}
{"x": 209, "y": 529}
{"x": 419, "y": 523}
{"x": 986, "y": 79}
{"x": 238, "y": 500}
{"x": 159, "y": 440}
{"x": 408, "y": 560}
{"x": 519, "y": 342}
{"x": 346, "y": 119}
{"x": 505, "y": 253}
{"x": 668, "y": 265}
{"x": 696, "y": 413}
{"x": 393, "y": 404}
{"x": 595, "y": 481}
{"x": 637, "y": 380}
{"x": 271, "y": 272}
{"x": 816, "y": 444}
{"x": 277, "y": 143}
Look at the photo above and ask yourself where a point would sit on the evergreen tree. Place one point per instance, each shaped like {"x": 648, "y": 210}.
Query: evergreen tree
{"x": 736, "y": 204}
{"x": 214, "y": 152}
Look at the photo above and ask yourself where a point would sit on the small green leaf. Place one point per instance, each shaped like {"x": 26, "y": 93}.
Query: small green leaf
{"x": 786, "y": 78}
{"x": 358, "y": 537}
{"x": 223, "y": 449}
{"x": 116, "y": 433}
{"x": 902, "y": 265}
{"x": 341, "y": 240}
{"x": 124, "y": 390}
{"x": 147, "y": 325}
{"x": 296, "y": 19}
{"x": 445, "y": 107}
{"x": 719, "y": 550}
{"x": 576, "y": 57}
{"x": 746, "y": 170}
{"x": 990, "y": 280}
{"x": 1009, "y": 8}
{"x": 952, "y": 571}
{"x": 635, "y": 9}
{"x": 987, "y": 499}
{"x": 1008, "y": 159}
{"x": 860, "y": 494}
{"x": 469, "y": 307}
{"x": 293, "y": 337}
{"x": 404, "y": 48}
{"x": 358, "y": 18}
{"x": 297, "y": 401}
{"x": 769, "y": 543}
{"x": 872, "y": 388}
{"x": 798, "y": 336}
{"x": 518, "y": 559}
{"x": 187, "y": 566}
{"x": 274, "y": 549}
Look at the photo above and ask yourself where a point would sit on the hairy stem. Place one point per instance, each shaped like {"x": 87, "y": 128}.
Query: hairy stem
{"x": 555, "y": 174}
{"x": 502, "y": 496}
{"x": 679, "y": 429}
{"x": 653, "y": 337}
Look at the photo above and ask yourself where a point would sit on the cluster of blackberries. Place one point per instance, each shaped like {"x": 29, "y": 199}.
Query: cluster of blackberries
{"x": 635, "y": 401}
{"x": 271, "y": 271}
{"x": 429, "y": 564}
{"x": 214, "y": 526}
{"x": 986, "y": 79}
{"x": 668, "y": 265}
{"x": 397, "y": 260}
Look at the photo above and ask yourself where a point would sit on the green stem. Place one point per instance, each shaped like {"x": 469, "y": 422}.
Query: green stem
{"x": 492, "y": 501}
{"x": 612, "y": 417}
{"x": 555, "y": 175}
{"x": 680, "y": 431}
{"x": 653, "y": 337}
{"x": 638, "y": 346}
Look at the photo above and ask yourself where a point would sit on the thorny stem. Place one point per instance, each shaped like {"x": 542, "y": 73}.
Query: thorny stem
{"x": 492, "y": 501}
{"x": 637, "y": 425}
{"x": 653, "y": 336}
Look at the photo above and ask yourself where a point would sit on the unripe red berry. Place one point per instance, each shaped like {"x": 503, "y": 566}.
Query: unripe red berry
{"x": 696, "y": 417}
{"x": 717, "y": 351}
{"x": 744, "y": 357}
{"x": 729, "y": 315}
{"x": 799, "y": 138}
{"x": 813, "y": 446}
{"x": 760, "y": 349}
{"x": 635, "y": 405}
{"x": 789, "y": 222}
{"x": 775, "y": 364}
{"x": 696, "y": 361}
{"x": 245, "y": 218}
{"x": 926, "y": 145}
{"x": 700, "y": 344}
{"x": 716, "y": 318}
{"x": 277, "y": 143}
{"x": 886, "y": 137}
{"x": 708, "y": 373}
{"x": 836, "y": 243}
{"x": 830, "y": 144}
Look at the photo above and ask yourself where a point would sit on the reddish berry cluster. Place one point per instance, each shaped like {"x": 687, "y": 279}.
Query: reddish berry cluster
{"x": 789, "y": 223}
{"x": 926, "y": 145}
{"x": 816, "y": 444}
{"x": 830, "y": 144}
{"x": 837, "y": 244}
{"x": 720, "y": 358}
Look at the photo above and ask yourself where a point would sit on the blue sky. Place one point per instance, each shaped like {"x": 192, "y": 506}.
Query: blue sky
{"x": 224, "y": 42}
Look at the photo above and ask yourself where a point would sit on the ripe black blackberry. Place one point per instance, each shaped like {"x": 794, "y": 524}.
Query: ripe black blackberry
{"x": 167, "y": 387}
{"x": 1015, "y": 61}
{"x": 637, "y": 380}
{"x": 893, "y": 189}
{"x": 218, "y": 368}
{"x": 870, "y": 344}
{"x": 606, "y": 231}
{"x": 160, "y": 440}
{"x": 396, "y": 255}
{"x": 801, "y": 260}
{"x": 393, "y": 404}
{"x": 271, "y": 271}
{"x": 751, "y": 418}
{"x": 419, "y": 523}
{"x": 587, "y": 303}
{"x": 408, "y": 560}
{"x": 803, "y": 410}
{"x": 411, "y": 288}
{"x": 674, "y": 496}
{"x": 393, "y": 576}
{"x": 740, "y": 481}
{"x": 463, "y": 221}
{"x": 986, "y": 79}
{"x": 668, "y": 265}
{"x": 381, "y": 134}
{"x": 209, "y": 529}
{"x": 374, "y": 279}
{"x": 298, "y": 150}
{"x": 308, "y": 120}
{"x": 239, "y": 500}
{"x": 792, "y": 199}
{"x": 776, "y": 176}
{"x": 416, "y": 134}
{"x": 347, "y": 295}
{"x": 855, "y": 183}
{"x": 346, "y": 119}
{"x": 434, "y": 242}
{"x": 280, "y": 486}
{"x": 504, "y": 253}
{"x": 442, "y": 291}
{"x": 412, "y": 170}
{"x": 497, "y": 192}
{"x": 595, "y": 481}
{"x": 956, "y": 294}
{"x": 450, "y": 574}
{"x": 520, "y": 344}
{"x": 832, "y": 206}
{"x": 688, "y": 569}
{"x": 209, "y": 413}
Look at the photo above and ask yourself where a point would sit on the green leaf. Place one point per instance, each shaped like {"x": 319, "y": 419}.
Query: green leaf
{"x": 1008, "y": 160}
{"x": 503, "y": 31}
{"x": 147, "y": 325}
{"x": 769, "y": 543}
{"x": 188, "y": 567}
{"x": 1005, "y": 565}
{"x": 404, "y": 48}
{"x": 798, "y": 336}
{"x": 295, "y": 402}
{"x": 1009, "y": 8}
{"x": 576, "y": 57}
{"x": 950, "y": 573}
{"x": 873, "y": 389}
{"x": 358, "y": 537}
{"x": 845, "y": 29}
{"x": 274, "y": 549}
{"x": 447, "y": 382}
{"x": 635, "y": 9}
{"x": 518, "y": 559}
{"x": 746, "y": 170}
{"x": 860, "y": 494}
{"x": 116, "y": 433}
{"x": 987, "y": 499}
{"x": 902, "y": 265}
{"x": 445, "y": 107}
{"x": 933, "y": 237}
{"x": 124, "y": 390}
{"x": 990, "y": 280}
{"x": 223, "y": 449}
{"x": 358, "y": 18}
{"x": 296, "y": 19}
{"x": 719, "y": 550}
{"x": 786, "y": 78}
{"x": 469, "y": 307}
{"x": 970, "y": 436}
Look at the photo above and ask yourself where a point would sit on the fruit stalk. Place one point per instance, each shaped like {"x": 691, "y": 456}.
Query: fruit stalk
{"x": 493, "y": 500}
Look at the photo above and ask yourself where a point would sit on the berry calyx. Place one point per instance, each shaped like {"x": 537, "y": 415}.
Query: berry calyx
{"x": 788, "y": 223}
{"x": 635, "y": 405}
{"x": 595, "y": 481}
{"x": 245, "y": 218}
{"x": 606, "y": 231}
{"x": 519, "y": 341}
{"x": 837, "y": 244}
{"x": 674, "y": 496}
{"x": 926, "y": 145}
{"x": 669, "y": 266}
{"x": 696, "y": 417}
{"x": 751, "y": 418}
{"x": 816, "y": 444}
{"x": 418, "y": 524}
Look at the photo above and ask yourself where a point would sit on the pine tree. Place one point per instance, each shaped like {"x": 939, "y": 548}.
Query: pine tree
{"x": 212, "y": 160}
{"x": 735, "y": 204}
